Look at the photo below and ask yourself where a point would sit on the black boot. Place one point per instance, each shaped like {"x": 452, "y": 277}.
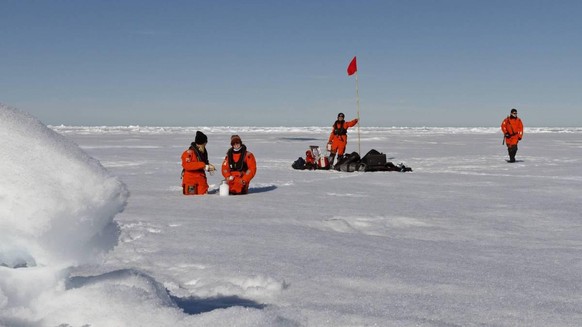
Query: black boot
{"x": 512, "y": 152}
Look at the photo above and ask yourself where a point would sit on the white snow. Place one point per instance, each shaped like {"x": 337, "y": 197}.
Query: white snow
{"x": 466, "y": 239}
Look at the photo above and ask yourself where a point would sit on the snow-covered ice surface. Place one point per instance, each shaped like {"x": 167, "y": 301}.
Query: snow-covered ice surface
{"x": 466, "y": 239}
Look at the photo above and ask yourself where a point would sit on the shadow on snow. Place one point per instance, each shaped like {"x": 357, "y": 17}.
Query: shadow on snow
{"x": 195, "y": 305}
{"x": 258, "y": 189}
{"x": 299, "y": 139}
{"x": 262, "y": 189}
{"x": 138, "y": 279}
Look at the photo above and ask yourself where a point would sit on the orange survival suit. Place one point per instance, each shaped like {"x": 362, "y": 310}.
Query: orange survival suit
{"x": 238, "y": 168}
{"x": 512, "y": 128}
{"x": 338, "y": 138}
{"x": 194, "y": 162}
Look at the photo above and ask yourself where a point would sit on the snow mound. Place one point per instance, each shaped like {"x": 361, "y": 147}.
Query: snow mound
{"x": 56, "y": 203}
{"x": 57, "y": 206}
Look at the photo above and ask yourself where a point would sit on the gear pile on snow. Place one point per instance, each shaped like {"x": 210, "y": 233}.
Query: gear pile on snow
{"x": 314, "y": 159}
{"x": 372, "y": 161}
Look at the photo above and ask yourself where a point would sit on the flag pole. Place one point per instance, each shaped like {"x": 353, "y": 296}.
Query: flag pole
{"x": 358, "y": 104}
{"x": 353, "y": 69}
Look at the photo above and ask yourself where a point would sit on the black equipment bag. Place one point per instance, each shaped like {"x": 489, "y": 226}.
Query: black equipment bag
{"x": 299, "y": 164}
{"x": 374, "y": 159}
{"x": 349, "y": 162}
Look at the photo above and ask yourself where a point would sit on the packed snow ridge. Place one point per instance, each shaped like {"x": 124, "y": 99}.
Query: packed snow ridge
{"x": 57, "y": 206}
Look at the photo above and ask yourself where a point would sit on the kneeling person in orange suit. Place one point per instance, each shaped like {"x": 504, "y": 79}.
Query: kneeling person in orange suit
{"x": 195, "y": 165}
{"x": 239, "y": 167}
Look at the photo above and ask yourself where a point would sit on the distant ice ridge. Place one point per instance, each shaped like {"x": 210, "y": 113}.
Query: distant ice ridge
{"x": 145, "y": 130}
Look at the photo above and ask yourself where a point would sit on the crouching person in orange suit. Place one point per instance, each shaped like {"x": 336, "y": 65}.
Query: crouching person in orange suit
{"x": 239, "y": 167}
{"x": 194, "y": 167}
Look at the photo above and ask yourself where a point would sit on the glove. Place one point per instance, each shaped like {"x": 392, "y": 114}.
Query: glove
{"x": 210, "y": 167}
{"x": 328, "y": 147}
{"x": 507, "y": 135}
{"x": 230, "y": 178}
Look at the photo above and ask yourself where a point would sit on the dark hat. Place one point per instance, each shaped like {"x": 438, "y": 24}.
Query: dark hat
{"x": 341, "y": 114}
{"x": 513, "y": 110}
{"x": 235, "y": 139}
{"x": 200, "y": 138}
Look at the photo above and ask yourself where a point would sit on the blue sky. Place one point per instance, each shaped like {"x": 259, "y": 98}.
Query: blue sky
{"x": 283, "y": 63}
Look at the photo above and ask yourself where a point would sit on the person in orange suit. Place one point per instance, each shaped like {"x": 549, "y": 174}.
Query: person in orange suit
{"x": 338, "y": 139}
{"x": 239, "y": 167}
{"x": 512, "y": 128}
{"x": 195, "y": 165}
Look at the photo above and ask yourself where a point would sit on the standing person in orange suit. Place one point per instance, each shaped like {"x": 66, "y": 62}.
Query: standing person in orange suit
{"x": 512, "y": 128}
{"x": 338, "y": 139}
{"x": 195, "y": 165}
{"x": 239, "y": 167}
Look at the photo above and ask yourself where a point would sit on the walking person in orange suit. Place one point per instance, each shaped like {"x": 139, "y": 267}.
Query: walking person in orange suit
{"x": 512, "y": 129}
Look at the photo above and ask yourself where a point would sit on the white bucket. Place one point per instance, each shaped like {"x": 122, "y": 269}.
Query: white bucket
{"x": 223, "y": 189}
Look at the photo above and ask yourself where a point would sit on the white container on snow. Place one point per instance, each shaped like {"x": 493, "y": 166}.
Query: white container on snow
{"x": 323, "y": 162}
{"x": 223, "y": 189}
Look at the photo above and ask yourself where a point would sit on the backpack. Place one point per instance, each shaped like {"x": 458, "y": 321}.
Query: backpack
{"x": 299, "y": 164}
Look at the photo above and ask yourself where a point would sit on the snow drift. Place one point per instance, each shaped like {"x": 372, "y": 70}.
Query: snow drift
{"x": 57, "y": 206}
{"x": 56, "y": 203}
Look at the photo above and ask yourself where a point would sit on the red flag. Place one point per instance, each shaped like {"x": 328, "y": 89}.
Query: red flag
{"x": 353, "y": 67}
